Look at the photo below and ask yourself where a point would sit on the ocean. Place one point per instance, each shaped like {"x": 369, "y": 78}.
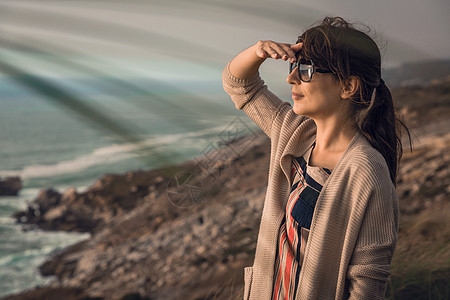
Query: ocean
{"x": 50, "y": 146}
{"x": 89, "y": 88}
{"x": 21, "y": 252}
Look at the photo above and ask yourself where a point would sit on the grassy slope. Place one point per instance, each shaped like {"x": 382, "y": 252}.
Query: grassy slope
{"x": 421, "y": 264}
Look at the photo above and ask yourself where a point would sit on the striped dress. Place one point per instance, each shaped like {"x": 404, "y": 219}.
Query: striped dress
{"x": 307, "y": 182}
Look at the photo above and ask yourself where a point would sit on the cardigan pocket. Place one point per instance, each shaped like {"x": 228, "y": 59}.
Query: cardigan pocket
{"x": 248, "y": 278}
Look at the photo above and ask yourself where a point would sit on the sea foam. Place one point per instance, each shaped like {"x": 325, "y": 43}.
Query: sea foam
{"x": 154, "y": 146}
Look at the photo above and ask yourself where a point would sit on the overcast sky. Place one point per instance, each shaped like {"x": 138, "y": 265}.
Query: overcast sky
{"x": 423, "y": 25}
{"x": 209, "y": 32}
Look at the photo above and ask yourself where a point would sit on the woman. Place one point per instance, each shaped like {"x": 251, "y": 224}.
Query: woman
{"x": 330, "y": 218}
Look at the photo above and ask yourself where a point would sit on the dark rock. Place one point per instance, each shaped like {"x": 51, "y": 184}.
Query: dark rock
{"x": 111, "y": 196}
{"x": 49, "y": 293}
{"x": 135, "y": 296}
{"x": 10, "y": 186}
{"x": 45, "y": 200}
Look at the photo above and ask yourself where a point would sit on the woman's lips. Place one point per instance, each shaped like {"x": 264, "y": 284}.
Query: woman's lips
{"x": 297, "y": 96}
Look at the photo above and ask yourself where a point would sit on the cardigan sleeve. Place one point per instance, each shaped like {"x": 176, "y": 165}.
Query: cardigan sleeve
{"x": 369, "y": 268}
{"x": 252, "y": 96}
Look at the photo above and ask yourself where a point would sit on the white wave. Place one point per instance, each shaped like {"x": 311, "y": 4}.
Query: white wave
{"x": 111, "y": 154}
{"x": 6, "y": 221}
{"x": 100, "y": 156}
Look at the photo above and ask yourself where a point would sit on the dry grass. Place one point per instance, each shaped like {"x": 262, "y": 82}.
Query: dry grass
{"x": 421, "y": 264}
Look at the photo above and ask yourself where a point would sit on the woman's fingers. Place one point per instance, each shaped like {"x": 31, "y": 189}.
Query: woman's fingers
{"x": 282, "y": 50}
{"x": 275, "y": 50}
{"x": 289, "y": 53}
{"x": 297, "y": 47}
{"x": 261, "y": 53}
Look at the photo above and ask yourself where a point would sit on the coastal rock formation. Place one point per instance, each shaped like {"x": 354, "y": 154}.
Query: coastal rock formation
{"x": 110, "y": 196}
{"x": 164, "y": 248}
{"x": 10, "y": 186}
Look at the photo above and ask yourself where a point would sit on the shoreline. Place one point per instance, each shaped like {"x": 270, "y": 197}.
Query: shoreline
{"x": 155, "y": 191}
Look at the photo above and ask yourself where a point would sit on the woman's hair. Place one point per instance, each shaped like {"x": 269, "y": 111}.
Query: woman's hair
{"x": 337, "y": 45}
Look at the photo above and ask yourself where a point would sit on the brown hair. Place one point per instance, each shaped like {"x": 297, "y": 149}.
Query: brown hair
{"x": 337, "y": 45}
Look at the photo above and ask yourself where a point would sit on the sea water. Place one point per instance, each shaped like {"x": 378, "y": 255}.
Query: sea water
{"x": 21, "y": 252}
{"x": 49, "y": 146}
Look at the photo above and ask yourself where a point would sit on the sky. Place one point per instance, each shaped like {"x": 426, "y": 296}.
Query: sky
{"x": 409, "y": 29}
{"x": 424, "y": 26}
{"x": 180, "y": 40}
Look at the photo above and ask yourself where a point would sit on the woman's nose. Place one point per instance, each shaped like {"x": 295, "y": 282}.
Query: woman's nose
{"x": 293, "y": 77}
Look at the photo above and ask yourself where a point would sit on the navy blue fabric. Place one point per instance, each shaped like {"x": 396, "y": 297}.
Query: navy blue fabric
{"x": 304, "y": 207}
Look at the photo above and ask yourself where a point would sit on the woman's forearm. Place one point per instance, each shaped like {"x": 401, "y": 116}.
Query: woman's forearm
{"x": 246, "y": 64}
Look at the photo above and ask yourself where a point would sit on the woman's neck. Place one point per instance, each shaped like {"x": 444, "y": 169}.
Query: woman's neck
{"x": 334, "y": 136}
{"x": 332, "y": 139}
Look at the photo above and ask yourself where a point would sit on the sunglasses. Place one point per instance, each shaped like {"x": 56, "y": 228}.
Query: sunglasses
{"x": 305, "y": 69}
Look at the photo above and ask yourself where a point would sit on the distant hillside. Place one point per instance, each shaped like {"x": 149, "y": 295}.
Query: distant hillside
{"x": 418, "y": 73}
{"x": 425, "y": 104}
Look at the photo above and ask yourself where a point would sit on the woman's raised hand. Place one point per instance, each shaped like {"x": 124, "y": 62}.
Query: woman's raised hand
{"x": 271, "y": 49}
{"x": 247, "y": 63}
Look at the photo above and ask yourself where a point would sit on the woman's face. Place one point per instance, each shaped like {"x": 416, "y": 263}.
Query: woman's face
{"x": 317, "y": 99}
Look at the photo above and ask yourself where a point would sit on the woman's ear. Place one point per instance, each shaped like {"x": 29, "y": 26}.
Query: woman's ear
{"x": 350, "y": 89}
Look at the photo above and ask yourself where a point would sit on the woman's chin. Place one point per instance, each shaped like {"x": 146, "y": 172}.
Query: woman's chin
{"x": 298, "y": 109}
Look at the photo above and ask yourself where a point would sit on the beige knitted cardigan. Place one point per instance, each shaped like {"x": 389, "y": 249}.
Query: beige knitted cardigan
{"x": 355, "y": 223}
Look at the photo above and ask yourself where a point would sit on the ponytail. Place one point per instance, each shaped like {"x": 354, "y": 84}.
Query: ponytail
{"x": 382, "y": 128}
